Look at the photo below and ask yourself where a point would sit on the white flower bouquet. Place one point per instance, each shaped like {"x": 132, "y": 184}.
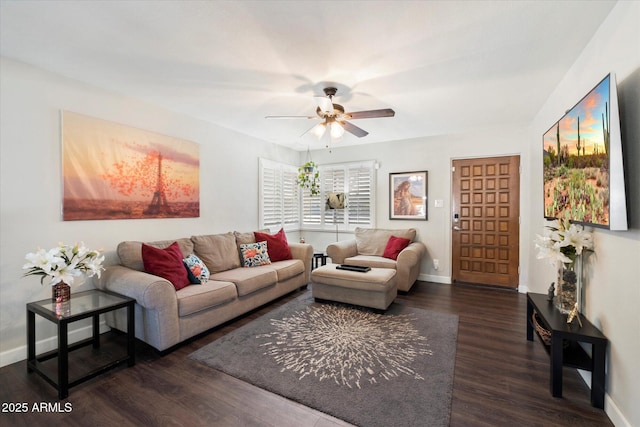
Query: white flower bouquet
{"x": 563, "y": 242}
{"x": 64, "y": 263}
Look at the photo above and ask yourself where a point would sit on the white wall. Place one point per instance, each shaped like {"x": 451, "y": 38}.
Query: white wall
{"x": 435, "y": 156}
{"x": 30, "y": 184}
{"x": 613, "y": 285}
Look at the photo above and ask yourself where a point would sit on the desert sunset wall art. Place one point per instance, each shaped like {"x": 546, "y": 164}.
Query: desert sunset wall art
{"x": 576, "y": 161}
{"x": 113, "y": 171}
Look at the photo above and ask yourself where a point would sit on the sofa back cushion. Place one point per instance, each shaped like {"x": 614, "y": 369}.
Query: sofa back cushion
{"x": 373, "y": 241}
{"x": 218, "y": 251}
{"x": 130, "y": 252}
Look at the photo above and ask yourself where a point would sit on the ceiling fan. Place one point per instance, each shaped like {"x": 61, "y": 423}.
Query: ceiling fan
{"x": 335, "y": 118}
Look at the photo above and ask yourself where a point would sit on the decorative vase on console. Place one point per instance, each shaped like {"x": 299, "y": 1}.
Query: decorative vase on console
{"x": 569, "y": 284}
{"x": 61, "y": 265}
{"x": 562, "y": 244}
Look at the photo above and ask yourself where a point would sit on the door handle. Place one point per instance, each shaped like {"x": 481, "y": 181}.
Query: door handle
{"x": 456, "y": 228}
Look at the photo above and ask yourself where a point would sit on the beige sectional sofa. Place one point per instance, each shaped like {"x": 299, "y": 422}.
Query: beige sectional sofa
{"x": 166, "y": 316}
{"x": 368, "y": 247}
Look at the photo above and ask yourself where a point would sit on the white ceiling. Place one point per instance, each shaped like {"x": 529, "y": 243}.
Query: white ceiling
{"x": 443, "y": 66}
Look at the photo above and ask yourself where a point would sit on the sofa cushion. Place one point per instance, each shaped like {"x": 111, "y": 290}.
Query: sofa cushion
{"x": 277, "y": 245}
{"x": 242, "y": 238}
{"x": 371, "y": 261}
{"x": 249, "y": 280}
{"x": 288, "y": 268}
{"x": 192, "y": 278}
{"x": 197, "y": 268}
{"x": 218, "y": 251}
{"x": 166, "y": 263}
{"x": 254, "y": 254}
{"x": 395, "y": 245}
{"x": 373, "y": 241}
{"x": 196, "y": 298}
{"x": 130, "y": 252}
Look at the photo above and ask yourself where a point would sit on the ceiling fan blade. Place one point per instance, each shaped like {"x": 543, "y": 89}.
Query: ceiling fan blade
{"x": 324, "y": 103}
{"x": 351, "y": 128}
{"x": 291, "y": 117}
{"x": 369, "y": 114}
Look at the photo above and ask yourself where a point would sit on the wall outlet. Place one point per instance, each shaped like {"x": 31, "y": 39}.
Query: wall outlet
{"x": 436, "y": 264}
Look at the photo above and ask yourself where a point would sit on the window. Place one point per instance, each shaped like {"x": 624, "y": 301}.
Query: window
{"x": 357, "y": 181}
{"x": 279, "y": 196}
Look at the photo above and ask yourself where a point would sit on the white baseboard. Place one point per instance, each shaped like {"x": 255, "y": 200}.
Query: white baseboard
{"x": 436, "y": 279}
{"x": 47, "y": 344}
{"x": 610, "y": 407}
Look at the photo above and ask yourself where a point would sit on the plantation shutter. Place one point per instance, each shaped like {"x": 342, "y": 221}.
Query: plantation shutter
{"x": 311, "y": 208}
{"x": 278, "y": 196}
{"x": 290, "y": 199}
{"x": 360, "y": 196}
{"x": 357, "y": 181}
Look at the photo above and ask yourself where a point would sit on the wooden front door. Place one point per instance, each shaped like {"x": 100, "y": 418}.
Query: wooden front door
{"x": 486, "y": 217}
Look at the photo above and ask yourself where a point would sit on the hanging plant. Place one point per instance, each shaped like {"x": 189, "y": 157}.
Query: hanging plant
{"x": 309, "y": 178}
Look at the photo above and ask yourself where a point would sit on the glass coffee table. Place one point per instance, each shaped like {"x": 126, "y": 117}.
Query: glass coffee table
{"x": 82, "y": 305}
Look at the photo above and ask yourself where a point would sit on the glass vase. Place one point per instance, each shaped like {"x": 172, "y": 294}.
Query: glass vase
{"x": 60, "y": 292}
{"x": 569, "y": 285}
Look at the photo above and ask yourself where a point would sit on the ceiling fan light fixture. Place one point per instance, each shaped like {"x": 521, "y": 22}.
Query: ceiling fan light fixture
{"x": 335, "y": 118}
{"x": 336, "y": 130}
{"x": 319, "y": 129}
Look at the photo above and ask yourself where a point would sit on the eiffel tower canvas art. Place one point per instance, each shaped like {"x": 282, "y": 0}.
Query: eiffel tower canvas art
{"x": 159, "y": 202}
{"x": 113, "y": 171}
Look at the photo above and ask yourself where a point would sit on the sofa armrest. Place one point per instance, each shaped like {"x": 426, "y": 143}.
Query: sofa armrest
{"x": 304, "y": 252}
{"x": 340, "y": 250}
{"x": 149, "y": 291}
{"x": 412, "y": 254}
{"x": 156, "y": 305}
{"x": 408, "y": 265}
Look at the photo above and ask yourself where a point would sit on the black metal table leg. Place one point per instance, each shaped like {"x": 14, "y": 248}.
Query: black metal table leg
{"x": 131, "y": 335}
{"x": 31, "y": 339}
{"x": 63, "y": 361}
{"x": 96, "y": 331}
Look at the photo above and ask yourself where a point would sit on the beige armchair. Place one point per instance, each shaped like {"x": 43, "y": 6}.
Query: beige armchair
{"x": 368, "y": 247}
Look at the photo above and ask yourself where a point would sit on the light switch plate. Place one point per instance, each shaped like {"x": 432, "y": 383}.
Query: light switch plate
{"x": 438, "y": 203}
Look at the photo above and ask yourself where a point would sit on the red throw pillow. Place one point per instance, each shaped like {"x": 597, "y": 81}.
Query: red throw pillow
{"x": 166, "y": 263}
{"x": 395, "y": 245}
{"x": 277, "y": 245}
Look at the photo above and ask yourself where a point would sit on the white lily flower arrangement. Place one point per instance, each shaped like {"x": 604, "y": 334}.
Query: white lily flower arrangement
{"x": 563, "y": 242}
{"x": 64, "y": 263}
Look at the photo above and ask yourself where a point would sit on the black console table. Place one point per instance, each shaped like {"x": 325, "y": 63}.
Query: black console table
{"x": 570, "y": 353}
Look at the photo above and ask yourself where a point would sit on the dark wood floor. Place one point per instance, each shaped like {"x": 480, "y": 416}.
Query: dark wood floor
{"x": 501, "y": 379}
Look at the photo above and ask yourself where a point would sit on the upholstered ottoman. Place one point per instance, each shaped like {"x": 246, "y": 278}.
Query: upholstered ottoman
{"x": 374, "y": 289}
